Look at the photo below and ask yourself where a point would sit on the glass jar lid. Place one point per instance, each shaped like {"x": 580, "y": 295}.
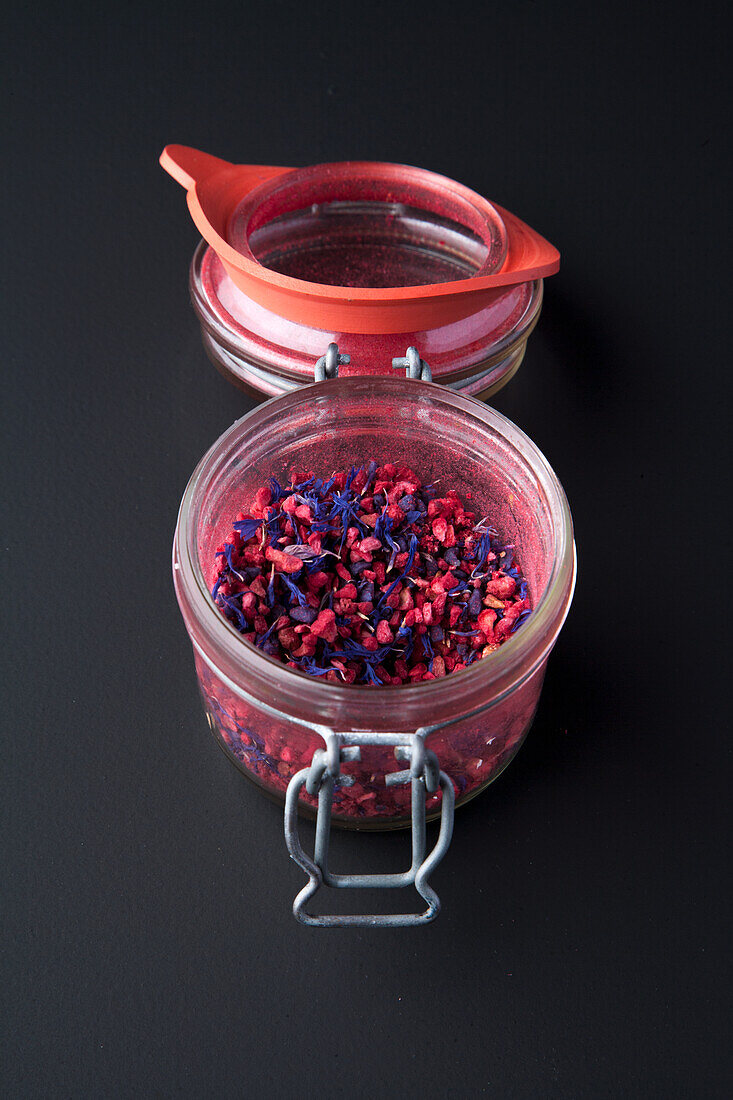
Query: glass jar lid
{"x": 373, "y": 257}
{"x": 241, "y": 210}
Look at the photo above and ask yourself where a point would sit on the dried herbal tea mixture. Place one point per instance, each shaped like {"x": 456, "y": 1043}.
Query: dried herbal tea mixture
{"x": 369, "y": 577}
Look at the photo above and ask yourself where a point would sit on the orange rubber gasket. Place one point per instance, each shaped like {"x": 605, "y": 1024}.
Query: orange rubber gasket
{"x": 217, "y": 188}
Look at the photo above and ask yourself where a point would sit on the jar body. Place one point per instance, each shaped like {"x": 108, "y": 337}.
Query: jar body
{"x": 472, "y": 751}
{"x": 271, "y": 719}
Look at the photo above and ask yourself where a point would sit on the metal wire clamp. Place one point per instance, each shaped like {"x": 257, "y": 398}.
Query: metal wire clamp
{"x": 328, "y": 365}
{"x": 413, "y": 365}
{"x": 425, "y": 777}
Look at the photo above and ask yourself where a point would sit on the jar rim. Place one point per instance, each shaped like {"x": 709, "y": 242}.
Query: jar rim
{"x": 228, "y": 652}
{"x": 370, "y": 181}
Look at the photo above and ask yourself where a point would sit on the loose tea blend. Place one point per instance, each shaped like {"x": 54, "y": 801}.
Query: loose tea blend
{"x": 369, "y": 577}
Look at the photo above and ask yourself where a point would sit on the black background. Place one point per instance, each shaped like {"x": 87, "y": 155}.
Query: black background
{"x": 583, "y": 943}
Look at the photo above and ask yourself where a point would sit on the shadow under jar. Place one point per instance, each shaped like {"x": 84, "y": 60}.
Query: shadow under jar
{"x": 270, "y": 719}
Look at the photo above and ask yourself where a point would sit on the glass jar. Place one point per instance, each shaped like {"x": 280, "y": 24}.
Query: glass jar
{"x": 271, "y": 719}
{"x": 374, "y": 257}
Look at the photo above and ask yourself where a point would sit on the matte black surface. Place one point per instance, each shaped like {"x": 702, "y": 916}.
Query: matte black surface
{"x": 583, "y": 946}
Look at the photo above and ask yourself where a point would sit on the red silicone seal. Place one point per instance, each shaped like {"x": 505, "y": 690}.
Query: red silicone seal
{"x": 258, "y": 194}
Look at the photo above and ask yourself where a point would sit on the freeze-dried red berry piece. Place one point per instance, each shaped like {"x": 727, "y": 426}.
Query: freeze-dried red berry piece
{"x": 486, "y": 621}
{"x": 286, "y": 563}
{"x": 325, "y": 625}
{"x": 501, "y": 586}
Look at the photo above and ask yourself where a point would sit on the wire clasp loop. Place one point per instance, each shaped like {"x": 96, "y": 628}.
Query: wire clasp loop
{"x": 319, "y": 779}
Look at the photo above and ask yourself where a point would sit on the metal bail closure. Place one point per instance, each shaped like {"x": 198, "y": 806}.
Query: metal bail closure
{"x": 414, "y": 367}
{"x": 328, "y": 365}
{"x": 425, "y": 777}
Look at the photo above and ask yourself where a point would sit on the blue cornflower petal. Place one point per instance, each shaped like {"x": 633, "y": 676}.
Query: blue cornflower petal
{"x": 293, "y": 588}
{"x": 247, "y": 527}
{"x": 276, "y": 489}
{"x": 522, "y": 618}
